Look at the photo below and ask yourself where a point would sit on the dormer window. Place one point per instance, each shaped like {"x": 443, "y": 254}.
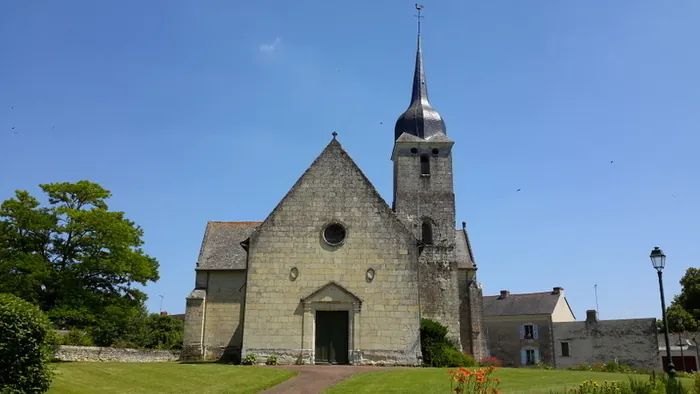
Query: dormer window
{"x": 424, "y": 165}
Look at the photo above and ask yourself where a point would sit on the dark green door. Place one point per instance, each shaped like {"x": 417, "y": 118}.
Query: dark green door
{"x": 332, "y": 337}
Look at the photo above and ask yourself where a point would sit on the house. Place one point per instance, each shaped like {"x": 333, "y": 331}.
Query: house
{"x": 518, "y": 327}
{"x": 684, "y": 350}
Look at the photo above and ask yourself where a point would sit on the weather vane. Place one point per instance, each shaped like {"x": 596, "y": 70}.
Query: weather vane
{"x": 419, "y": 16}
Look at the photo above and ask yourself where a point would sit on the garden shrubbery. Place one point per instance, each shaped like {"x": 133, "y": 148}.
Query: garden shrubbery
{"x": 76, "y": 337}
{"x": 490, "y": 361}
{"x": 141, "y": 331}
{"x": 436, "y": 348}
{"x": 611, "y": 366}
{"x": 656, "y": 384}
{"x": 26, "y": 347}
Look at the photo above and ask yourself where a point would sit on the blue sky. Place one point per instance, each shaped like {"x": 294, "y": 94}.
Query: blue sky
{"x": 210, "y": 110}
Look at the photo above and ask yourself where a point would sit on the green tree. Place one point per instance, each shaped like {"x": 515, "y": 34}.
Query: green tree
{"x": 165, "y": 332}
{"x": 26, "y": 347}
{"x": 74, "y": 257}
{"x": 684, "y": 313}
{"x": 689, "y": 298}
{"x": 679, "y": 320}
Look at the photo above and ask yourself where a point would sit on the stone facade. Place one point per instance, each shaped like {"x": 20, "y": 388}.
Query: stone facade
{"x": 108, "y": 354}
{"x": 384, "y": 324}
{"x": 506, "y": 342}
{"x": 628, "y": 341}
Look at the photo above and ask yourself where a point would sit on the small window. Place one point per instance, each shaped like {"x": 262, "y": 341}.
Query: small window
{"x": 424, "y": 165}
{"x": 414, "y": 150}
{"x": 529, "y": 331}
{"x": 427, "y": 232}
{"x": 565, "y": 349}
{"x": 436, "y": 151}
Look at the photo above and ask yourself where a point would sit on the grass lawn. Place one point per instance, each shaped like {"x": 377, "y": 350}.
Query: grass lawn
{"x": 202, "y": 378}
{"x": 434, "y": 380}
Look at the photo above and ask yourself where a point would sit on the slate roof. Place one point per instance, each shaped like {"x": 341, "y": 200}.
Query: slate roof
{"x": 221, "y": 246}
{"x": 689, "y": 338}
{"x": 420, "y": 119}
{"x": 521, "y": 304}
{"x": 463, "y": 250}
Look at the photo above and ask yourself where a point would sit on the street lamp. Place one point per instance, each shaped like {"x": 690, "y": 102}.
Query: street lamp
{"x": 658, "y": 260}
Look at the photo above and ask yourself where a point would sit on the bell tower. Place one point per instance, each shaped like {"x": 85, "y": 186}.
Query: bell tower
{"x": 424, "y": 199}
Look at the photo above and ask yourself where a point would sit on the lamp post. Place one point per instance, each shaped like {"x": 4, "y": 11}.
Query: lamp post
{"x": 658, "y": 260}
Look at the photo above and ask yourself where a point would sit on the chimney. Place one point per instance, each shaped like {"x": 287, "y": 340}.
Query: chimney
{"x": 504, "y": 294}
{"x": 591, "y": 316}
{"x": 557, "y": 290}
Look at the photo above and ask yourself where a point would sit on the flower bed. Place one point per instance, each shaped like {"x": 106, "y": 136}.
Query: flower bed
{"x": 474, "y": 381}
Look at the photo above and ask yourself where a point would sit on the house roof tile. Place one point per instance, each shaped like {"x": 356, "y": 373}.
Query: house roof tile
{"x": 221, "y": 246}
{"x": 521, "y": 304}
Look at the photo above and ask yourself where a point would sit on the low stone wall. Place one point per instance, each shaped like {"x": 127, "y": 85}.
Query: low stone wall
{"x": 108, "y": 354}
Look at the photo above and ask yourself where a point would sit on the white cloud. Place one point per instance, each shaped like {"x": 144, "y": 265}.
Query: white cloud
{"x": 269, "y": 48}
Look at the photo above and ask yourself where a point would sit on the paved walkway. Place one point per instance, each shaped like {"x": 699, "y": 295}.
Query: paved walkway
{"x": 313, "y": 379}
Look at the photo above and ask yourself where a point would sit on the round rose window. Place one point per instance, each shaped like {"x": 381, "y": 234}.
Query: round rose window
{"x": 334, "y": 234}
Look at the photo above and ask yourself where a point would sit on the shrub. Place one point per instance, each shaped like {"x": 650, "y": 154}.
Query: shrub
{"x": 437, "y": 350}
{"x": 490, "y": 361}
{"x": 272, "y": 360}
{"x": 543, "y": 365}
{"x": 26, "y": 347}
{"x": 250, "y": 359}
{"x": 452, "y": 358}
{"x": 76, "y": 337}
{"x": 696, "y": 382}
{"x": 653, "y": 385}
{"x": 611, "y": 366}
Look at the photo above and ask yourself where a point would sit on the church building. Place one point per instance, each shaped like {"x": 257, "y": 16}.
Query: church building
{"x": 334, "y": 275}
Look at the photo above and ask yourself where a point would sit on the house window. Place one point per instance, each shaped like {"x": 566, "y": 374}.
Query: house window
{"x": 528, "y": 331}
{"x": 424, "y": 165}
{"x": 530, "y": 356}
{"x": 427, "y": 232}
{"x": 565, "y": 349}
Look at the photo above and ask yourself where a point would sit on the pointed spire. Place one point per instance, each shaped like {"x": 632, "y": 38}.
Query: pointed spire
{"x": 420, "y": 119}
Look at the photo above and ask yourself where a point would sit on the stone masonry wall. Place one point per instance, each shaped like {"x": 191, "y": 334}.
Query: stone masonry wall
{"x": 108, "y": 354}
{"x": 192, "y": 341}
{"x": 504, "y": 338}
{"x": 418, "y": 198}
{"x": 471, "y": 314}
{"x": 333, "y": 189}
{"x": 439, "y": 289}
{"x": 631, "y": 341}
{"x": 223, "y": 332}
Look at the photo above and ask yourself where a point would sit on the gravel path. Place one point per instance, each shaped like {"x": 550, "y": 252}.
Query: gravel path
{"x": 313, "y": 379}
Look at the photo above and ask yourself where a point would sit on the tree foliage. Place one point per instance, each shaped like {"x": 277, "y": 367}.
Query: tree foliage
{"x": 26, "y": 347}
{"x": 684, "y": 313}
{"x": 689, "y": 298}
{"x": 74, "y": 258}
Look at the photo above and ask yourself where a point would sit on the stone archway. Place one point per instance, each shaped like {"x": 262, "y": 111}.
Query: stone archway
{"x": 324, "y": 310}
